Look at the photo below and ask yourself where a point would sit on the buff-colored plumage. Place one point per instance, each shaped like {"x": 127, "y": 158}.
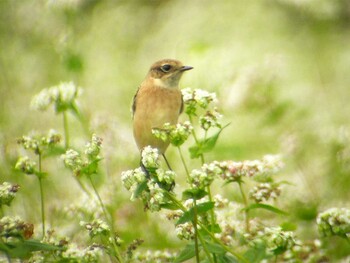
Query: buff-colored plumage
{"x": 157, "y": 101}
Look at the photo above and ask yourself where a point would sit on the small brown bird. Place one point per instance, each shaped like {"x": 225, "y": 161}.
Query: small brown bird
{"x": 157, "y": 101}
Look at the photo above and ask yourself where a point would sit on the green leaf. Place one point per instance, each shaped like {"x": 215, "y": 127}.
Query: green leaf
{"x": 23, "y": 248}
{"x": 193, "y": 194}
{"x": 140, "y": 188}
{"x": 55, "y": 150}
{"x": 187, "y": 253}
{"x": 206, "y": 145}
{"x": 201, "y": 209}
{"x": 288, "y": 226}
{"x": 91, "y": 168}
{"x": 215, "y": 248}
{"x": 169, "y": 206}
{"x": 266, "y": 207}
{"x": 256, "y": 254}
{"x": 226, "y": 258}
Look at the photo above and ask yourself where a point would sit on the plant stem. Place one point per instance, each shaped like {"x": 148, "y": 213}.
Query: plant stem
{"x": 195, "y": 222}
{"x": 183, "y": 162}
{"x": 66, "y": 129}
{"x": 196, "y": 139}
{"x": 42, "y": 201}
{"x": 205, "y": 248}
{"x": 212, "y": 214}
{"x": 109, "y": 221}
{"x": 245, "y": 201}
{"x": 238, "y": 256}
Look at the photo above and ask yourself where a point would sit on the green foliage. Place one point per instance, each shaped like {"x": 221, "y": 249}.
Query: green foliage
{"x": 280, "y": 72}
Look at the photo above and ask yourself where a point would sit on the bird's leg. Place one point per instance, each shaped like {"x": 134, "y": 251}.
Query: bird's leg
{"x": 167, "y": 163}
{"x": 144, "y": 169}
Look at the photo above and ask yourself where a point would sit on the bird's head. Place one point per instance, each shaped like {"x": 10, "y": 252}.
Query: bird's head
{"x": 166, "y": 73}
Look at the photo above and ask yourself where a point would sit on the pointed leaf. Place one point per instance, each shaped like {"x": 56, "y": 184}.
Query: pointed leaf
{"x": 256, "y": 254}
{"x": 215, "y": 248}
{"x": 169, "y": 206}
{"x": 193, "y": 194}
{"x": 23, "y": 248}
{"x": 266, "y": 207}
{"x": 140, "y": 188}
{"x": 226, "y": 258}
{"x": 201, "y": 209}
{"x": 206, "y": 145}
{"x": 187, "y": 253}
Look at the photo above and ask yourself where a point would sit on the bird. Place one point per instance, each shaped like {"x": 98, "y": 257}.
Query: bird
{"x": 157, "y": 101}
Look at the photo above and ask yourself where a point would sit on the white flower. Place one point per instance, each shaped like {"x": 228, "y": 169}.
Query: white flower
{"x": 149, "y": 157}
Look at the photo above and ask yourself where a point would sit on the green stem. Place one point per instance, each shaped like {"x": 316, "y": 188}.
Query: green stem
{"x": 42, "y": 198}
{"x": 109, "y": 221}
{"x": 201, "y": 239}
{"x": 245, "y": 201}
{"x": 227, "y": 249}
{"x": 195, "y": 138}
{"x": 66, "y": 129}
{"x": 183, "y": 162}
{"x": 212, "y": 214}
{"x": 195, "y": 222}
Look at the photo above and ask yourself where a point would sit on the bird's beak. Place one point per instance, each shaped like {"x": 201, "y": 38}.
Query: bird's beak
{"x": 184, "y": 68}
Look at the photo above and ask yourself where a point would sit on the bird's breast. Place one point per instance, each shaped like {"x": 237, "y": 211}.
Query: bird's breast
{"x": 158, "y": 105}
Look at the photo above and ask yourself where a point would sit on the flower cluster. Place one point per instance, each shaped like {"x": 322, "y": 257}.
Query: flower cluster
{"x": 275, "y": 239}
{"x": 309, "y": 251}
{"x": 149, "y": 182}
{"x": 38, "y": 143}
{"x": 14, "y": 227}
{"x": 210, "y": 119}
{"x": 84, "y": 207}
{"x": 67, "y": 251}
{"x": 154, "y": 256}
{"x": 93, "y": 148}
{"x": 84, "y": 164}
{"x": 185, "y": 231}
{"x": 62, "y": 96}
{"x": 264, "y": 191}
{"x": 334, "y": 222}
{"x": 175, "y": 134}
{"x": 194, "y": 99}
{"x": 75, "y": 254}
{"x": 150, "y": 157}
{"x": 154, "y": 197}
{"x": 96, "y": 228}
{"x": 230, "y": 219}
{"x": 25, "y": 165}
{"x": 234, "y": 171}
{"x": 131, "y": 180}
{"x": 7, "y": 193}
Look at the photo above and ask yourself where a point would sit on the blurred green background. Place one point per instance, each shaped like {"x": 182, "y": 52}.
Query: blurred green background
{"x": 280, "y": 69}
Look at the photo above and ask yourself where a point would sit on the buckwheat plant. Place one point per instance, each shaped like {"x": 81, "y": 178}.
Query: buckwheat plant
{"x": 194, "y": 214}
{"x": 64, "y": 98}
{"x": 216, "y": 229}
{"x": 7, "y": 194}
{"x": 334, "y": 222}
{"x": 85, "y": 164}
{"x": 39, "y": 145}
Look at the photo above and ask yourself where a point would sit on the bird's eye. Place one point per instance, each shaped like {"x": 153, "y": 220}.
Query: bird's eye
{"x": 165, "y": 68}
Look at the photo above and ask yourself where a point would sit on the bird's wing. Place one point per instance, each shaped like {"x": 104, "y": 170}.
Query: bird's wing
{"x": 182, "y": 104}
{"x": 133, "y": 107}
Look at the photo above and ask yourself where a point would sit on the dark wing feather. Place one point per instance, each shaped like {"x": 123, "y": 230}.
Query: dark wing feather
{"x": 133, "y": 107}
{"x": 182, "y": 104}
